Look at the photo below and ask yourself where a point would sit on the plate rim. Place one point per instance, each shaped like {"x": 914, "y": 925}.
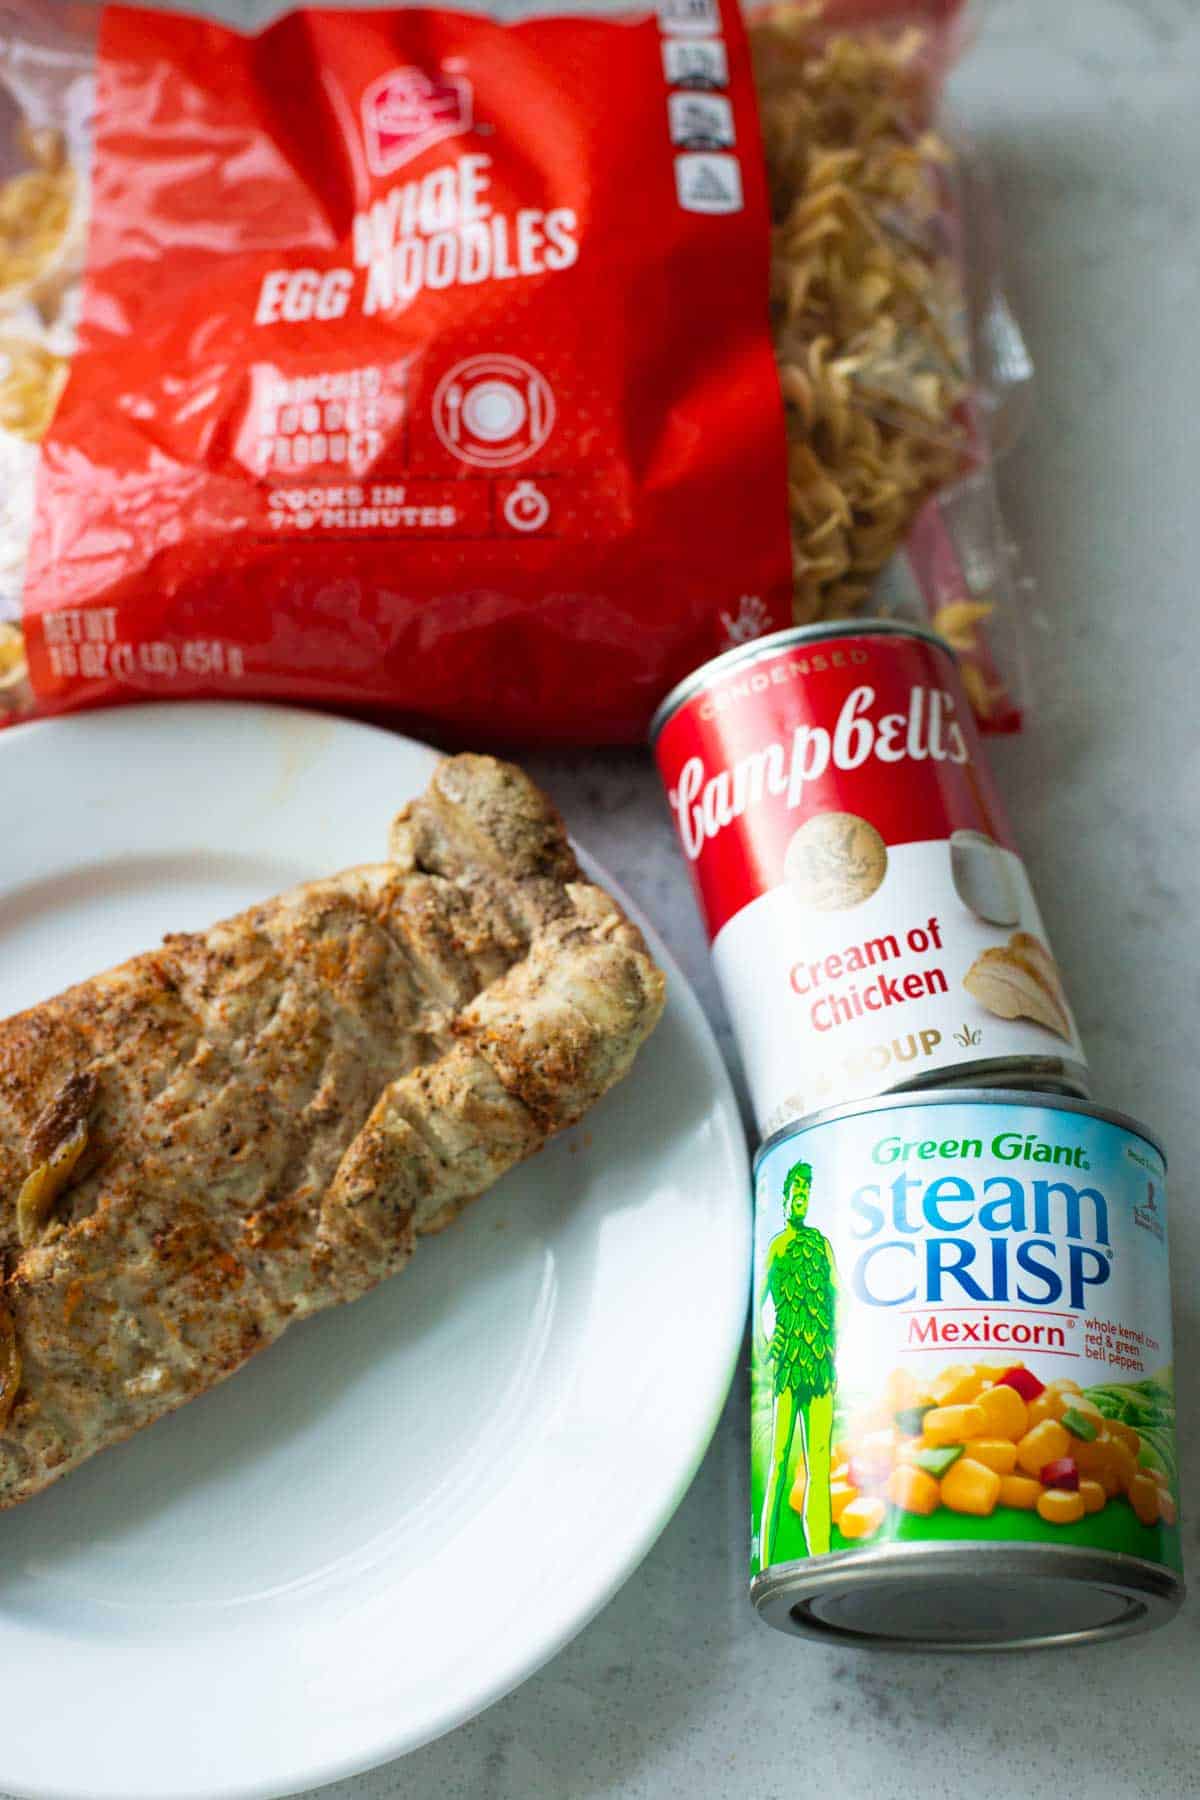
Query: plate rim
{"x": 727, "y": 1320}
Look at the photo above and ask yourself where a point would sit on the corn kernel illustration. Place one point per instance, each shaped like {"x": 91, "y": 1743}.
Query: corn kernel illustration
{"x": 977, "y": 1437}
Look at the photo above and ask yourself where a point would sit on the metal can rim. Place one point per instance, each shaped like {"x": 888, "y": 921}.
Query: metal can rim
{"x": 1049, "y": 1075}
{"x": 1159, "y": 1588}
{"x": 990, "y": 1096}
{"x": 776, "y": 640}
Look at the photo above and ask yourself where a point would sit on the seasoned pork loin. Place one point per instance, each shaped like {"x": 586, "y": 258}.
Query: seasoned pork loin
{"x": 254, "y": 1122}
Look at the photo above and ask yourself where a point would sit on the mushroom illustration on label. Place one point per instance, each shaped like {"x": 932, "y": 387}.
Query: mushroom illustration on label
{"x": 1020, "y": 980}
{"x": 984, "y": 878}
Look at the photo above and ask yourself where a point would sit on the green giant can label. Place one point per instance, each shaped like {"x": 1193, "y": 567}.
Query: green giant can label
{"x": 962, "y": 1331}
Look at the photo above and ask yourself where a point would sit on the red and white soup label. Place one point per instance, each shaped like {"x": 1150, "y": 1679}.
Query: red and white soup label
{"x": 872, "y": 923}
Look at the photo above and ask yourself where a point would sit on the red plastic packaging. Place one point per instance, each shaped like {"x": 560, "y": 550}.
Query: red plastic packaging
{"x": 408, "y": 373}
{"x": 396, "y": 360}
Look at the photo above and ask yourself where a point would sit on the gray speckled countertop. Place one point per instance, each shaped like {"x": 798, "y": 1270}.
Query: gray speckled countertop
{"x": 1089, "y": 112}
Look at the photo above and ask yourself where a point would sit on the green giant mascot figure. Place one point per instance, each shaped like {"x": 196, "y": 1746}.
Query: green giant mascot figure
{"x": 800, "y": 1288}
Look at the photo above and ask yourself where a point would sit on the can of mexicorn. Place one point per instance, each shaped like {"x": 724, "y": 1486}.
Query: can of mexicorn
{"x": 872, "y": 924}
{"x": 963, "y": 1413}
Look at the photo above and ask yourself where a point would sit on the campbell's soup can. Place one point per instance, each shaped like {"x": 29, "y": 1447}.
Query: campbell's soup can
{"x": 872, "y": 924}
{"x": 963, "y": 1399}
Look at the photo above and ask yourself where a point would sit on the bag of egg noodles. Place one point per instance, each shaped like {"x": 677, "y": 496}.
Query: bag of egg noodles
{"x": 487, "y": 375}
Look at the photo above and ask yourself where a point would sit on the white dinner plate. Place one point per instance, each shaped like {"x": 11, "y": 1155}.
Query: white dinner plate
{"x": 392, "y": 1517}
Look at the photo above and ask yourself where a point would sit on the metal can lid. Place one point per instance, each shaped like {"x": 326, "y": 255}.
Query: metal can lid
{"x": 970, "y": 1096}
{"x": 968, "y": 1596}
{"x": 744, "y": 654}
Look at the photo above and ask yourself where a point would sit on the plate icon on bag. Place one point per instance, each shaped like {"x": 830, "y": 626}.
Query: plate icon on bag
{"x": 492, "y": 411}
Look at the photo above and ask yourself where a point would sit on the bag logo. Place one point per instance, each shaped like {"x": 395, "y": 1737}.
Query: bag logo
{"x": 407, "y": 111}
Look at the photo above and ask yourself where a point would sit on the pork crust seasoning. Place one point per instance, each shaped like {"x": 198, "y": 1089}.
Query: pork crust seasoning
{"x": 255, "y": 1122}
{"x": 867, "y": 307}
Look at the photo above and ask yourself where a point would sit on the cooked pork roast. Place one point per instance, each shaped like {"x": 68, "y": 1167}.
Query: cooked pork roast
{"x": 254, "y": 1122}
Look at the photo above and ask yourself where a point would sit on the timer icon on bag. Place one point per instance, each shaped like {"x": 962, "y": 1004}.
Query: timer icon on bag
{"x": 493, "y": 411}
{"x": 526, "y": 508}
